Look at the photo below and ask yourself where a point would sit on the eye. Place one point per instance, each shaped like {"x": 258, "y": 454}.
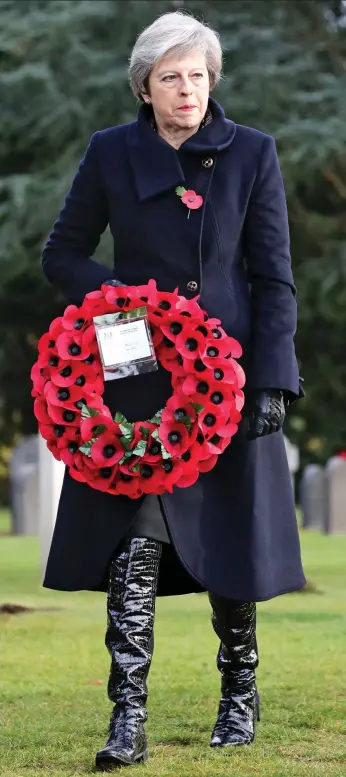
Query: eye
{"x": 198, "y": 75}
{"x": 169, "y": 78}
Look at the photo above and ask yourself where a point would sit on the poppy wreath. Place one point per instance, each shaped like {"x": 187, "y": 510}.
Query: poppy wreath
{"x": 183, "y": 439}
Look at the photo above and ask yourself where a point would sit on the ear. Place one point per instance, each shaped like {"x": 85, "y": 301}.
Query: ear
{"x": 146, "y": 98}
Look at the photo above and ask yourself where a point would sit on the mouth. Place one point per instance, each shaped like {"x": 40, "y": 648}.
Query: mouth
{"x": 187, "y": 108}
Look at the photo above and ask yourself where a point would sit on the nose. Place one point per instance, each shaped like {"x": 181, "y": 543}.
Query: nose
{"x": 185, "y": 86}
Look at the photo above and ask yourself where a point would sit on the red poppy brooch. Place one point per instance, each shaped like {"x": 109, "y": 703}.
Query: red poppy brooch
{"x": 183, "y": 439}
{"x": 189, "y": 197}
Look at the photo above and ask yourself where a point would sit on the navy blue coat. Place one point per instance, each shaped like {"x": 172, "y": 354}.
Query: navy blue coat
{"x": 234, "y": 532}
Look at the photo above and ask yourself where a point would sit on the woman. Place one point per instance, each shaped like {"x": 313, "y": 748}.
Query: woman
{"x": 233, "y": 533}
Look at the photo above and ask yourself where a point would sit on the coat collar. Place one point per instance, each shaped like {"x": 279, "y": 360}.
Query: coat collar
{"x": 155, "y": 164}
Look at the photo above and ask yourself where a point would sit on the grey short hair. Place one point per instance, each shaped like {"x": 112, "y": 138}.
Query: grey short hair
{"x": 173, "y": 33}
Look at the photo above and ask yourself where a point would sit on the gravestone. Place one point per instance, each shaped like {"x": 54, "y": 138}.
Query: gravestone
{"x": 336, "y": 495}
{"x": 24, "y": 478}
{"x": 51, "y": 473}
{"x": 293, "y": 458}
{"x": 313, "y": 497}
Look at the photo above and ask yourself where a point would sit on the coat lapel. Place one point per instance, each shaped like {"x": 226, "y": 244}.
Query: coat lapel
{"x": 155, "y": 163}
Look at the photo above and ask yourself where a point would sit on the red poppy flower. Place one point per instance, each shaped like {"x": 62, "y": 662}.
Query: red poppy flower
{"x": 216, "y": 349}
{"x": 63, "y": 397}
{"x": 189, "y": 306}
{"x": 175, "y": 437}
{"x": 71, "y": 435}
{"x": 149, "y": 292}
{"x": 153, "y": 453}
{"x": 73, "y": 319}
{"x": 107, "y": 450}
{"x": 156, "y": 335}
{"x": 234, "y": 347}
{"x": 66, "y": 373}
{"x": 188, "y": 463}
{"x": 216, "y": 444}
{"x": 173, "y": 365}
{"x": 41, "y": 411}
{"x": 130, "y": 488}
{"x": 117, "y": 297}
{"x": 95, "y": 304}
{"x": 76, "y": 474}
{"x": 150, "y": 477}
{"x": 178, "y": 404}
{"x": 47, "y": 432}
{"x": 192, "y": 200}
{"x": 103, "y": 479}
{"x": 47, "y": 345}
{"x": 104, "y": 418}
{"x": 173, "y": 326}
{"x": 62, "y": 415}
{"x": 71, "y": 458}
{"x": 190, "y": 343}
{"x": 54, "y": 450}
{"x": 39, "y": 380}
{"x": 69, "y": 346}
{"x": 188, "y": 479}
{"x": 171, "y": 471}
{"x": 211, "y": 418}
{"x": 207, "y": 464}
{"x": 166, "y": 350}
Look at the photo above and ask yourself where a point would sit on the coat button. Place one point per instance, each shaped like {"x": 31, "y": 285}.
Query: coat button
{"x": 208, "y": 162}
{"x": 192, "y": 285}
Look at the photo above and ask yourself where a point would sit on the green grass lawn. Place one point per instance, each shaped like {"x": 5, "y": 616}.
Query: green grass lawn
{"x": 54, "y": 708}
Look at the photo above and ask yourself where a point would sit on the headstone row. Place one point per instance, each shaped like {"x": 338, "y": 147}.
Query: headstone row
{"x": 323, "y": 496}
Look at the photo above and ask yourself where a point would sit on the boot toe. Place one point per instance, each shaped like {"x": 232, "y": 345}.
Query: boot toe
{"x": 112, "y": 758}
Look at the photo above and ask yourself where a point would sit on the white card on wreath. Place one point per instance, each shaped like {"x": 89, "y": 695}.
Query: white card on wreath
{"x": 124, "y": 343}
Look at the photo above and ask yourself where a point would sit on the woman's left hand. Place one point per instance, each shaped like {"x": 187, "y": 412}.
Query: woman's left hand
{"x": 267, "y": 413}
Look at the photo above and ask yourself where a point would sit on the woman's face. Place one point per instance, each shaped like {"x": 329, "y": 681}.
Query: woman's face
{"x": 179, "y": 91}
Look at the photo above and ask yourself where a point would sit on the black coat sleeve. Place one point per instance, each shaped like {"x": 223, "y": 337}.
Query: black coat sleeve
{"x": 272, "y": 362}
{"x": 76, "y": 233}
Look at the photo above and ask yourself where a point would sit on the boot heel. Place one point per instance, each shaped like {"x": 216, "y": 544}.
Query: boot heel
{"x": 142, "y": 758}
{"x": 258, "y": 706}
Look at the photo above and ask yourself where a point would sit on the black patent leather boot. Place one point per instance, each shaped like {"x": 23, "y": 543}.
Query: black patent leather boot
{"x": 133, "y": 578}
{"x": 237, "y": 659}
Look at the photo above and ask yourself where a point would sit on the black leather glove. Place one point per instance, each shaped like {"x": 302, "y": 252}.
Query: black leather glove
{"x": 113, "y": 282}
{"x": 266, "y": 410}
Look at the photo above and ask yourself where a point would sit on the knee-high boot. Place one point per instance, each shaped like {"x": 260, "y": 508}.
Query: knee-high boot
{"x": 235, "y": 625}
{"x": 133, "y": 578}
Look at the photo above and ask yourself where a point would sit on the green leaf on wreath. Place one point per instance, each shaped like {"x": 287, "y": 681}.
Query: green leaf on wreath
{"x": 119, "y": 417}
{"x": 197, "y": 407}
{"x": 100, "y": 429}
{"x": 134, "y": 313}
{"x": 89, "y": 412}
{"x": 144, "y": 431}
{"x": 135, "y": 468}
{"x": 180, "y": 190}
{"x": 165, "y": 454}
{"x": 86, "y": 448}
{"x": 127, "y": 429}
{"x": 187, "y": 421}
{"x": 126, "y": 443}
{"x": 157, "y": 418}
{"x": 155, "y": 435}
{"x": 140, "y": 448}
